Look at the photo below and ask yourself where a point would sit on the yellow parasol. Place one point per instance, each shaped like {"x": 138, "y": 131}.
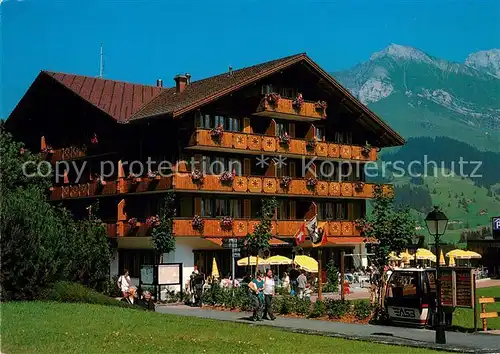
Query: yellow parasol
{"x": 394, "y": 257}
{"x": 253, "y": 261}
{"x": 455, "y": 253}
{"x": 441, "y": 259}
{"x": 406, "y": 256}
{"x": 215, "y": 269}
{"x": 451, "y": 261}
{"x": 424, "y": 254}
{"x": 471, "y": 254}
{"x": 307, "y": 263}
{"x": 278, "y": 260}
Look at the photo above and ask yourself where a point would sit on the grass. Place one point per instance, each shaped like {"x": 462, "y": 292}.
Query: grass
{"x": 50, "y": 327}
{"x": 464, "y": 318}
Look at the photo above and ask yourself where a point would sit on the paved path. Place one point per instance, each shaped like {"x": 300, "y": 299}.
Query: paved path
{"x": 463, "y": 342}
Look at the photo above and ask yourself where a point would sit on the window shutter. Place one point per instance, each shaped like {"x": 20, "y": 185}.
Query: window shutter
{"x": 247, "y": 205}
{"x": 247, "y": 167}
{"x": 121, "y": 214}
{"x": 291, "y": 127}
{"x": 197, "y": 206}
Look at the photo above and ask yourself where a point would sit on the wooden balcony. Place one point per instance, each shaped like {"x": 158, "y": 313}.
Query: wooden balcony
{"x": 212, "y": 228}
{"x": 272, "y": 185}
{"x": 83, "y": 190}
{"x": 73, "y": 153}
{"x": 285, "y": 110}
{"x": 259, "y": 144}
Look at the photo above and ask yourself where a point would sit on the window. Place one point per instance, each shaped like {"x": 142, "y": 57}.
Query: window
{"x": 320, "y": 133}
{"x": 327, "y": 170}
{"x": 203, "y": 121}
{"x": 343, "y": 137}
{"x": 281, "y": 129}
{"x": 268, "y": 88}
{"x": 341, "y": 211}
{"x": 219, "y": 121}
{"x": 233, "y": 124}
{"x": 403, "y": 284}
{"x": 218, "y": 165}
{"x": 235, "y": 208}
{"x": 221, "y": 207}
{"x": 289, "y": 92}
{"x": 326, "y": 211}
{"x": 206, "y": 207}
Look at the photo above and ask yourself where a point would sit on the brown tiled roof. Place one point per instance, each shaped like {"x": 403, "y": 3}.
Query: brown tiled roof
{"x": 171, "y": 102}
{"x": 121, "y": 100}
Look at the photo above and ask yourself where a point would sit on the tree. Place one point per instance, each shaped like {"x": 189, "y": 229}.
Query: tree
{"x": 163, "y": 235}
{"x": 258, "y": 241}
{"x": 332, "y": 276}
{"x": 392, "y": 228}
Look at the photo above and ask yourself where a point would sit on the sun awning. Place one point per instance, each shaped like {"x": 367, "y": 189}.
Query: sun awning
{"x": 345, "y": 240}
{"x": 277, "y": 242}
{"x": 216, "y": 240}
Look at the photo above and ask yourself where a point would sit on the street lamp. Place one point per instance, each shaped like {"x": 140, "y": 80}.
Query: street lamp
{"x": 415, "y": 241}
{"x": 436, "y": 222}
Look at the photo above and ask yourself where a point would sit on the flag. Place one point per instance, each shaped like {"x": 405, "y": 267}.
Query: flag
{"x": 316, "y": 232}
{"x": 300, "y": 235}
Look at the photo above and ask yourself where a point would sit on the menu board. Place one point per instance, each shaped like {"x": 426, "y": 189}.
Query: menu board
{"x": 169, "y": 274}
{"x": 447, "y": 287}
{"x": 464, "y": 288}
{"x": 147, "y": 274}
{"x": 457, "y": 287}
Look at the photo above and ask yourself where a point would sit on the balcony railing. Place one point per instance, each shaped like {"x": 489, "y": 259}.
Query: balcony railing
{"x": 183, "y": 227}
{"x": 274, "y": 185}
{"x": 284, "y": 109}
{"x": 213, "y": 183}
{"x": 258, "y": 144}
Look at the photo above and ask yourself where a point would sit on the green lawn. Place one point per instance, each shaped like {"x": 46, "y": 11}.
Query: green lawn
{"x": 465, "y": 317}
{"x": 47, "y": 327}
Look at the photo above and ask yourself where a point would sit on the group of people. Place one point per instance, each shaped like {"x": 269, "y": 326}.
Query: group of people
{"x": 261, "y": 291}
{"x": 130, "y": 295}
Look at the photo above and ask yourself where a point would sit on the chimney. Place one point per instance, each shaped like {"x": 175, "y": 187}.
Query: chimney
{"x": 230, "y": 70}
{"x": 181, "y": 81}
{"x": 159, "y": 83}
{"x": 188, "y": 76}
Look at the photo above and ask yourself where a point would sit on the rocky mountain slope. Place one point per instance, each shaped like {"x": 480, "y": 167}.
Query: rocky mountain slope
{"x": 421, "y": 95}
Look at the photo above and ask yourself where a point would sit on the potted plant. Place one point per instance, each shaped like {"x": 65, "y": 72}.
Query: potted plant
{"x": 152, "y": 174}
{"x": 197, "y": 176}
{"x": 198, "y": 223}
{"x": 227, "y": 178}
{"x": 134, "y": 178}
{"x": 284, "y": 139}
{"x": 358, "y": 186}
{"x": 311, "y": 144}
{"x": 366, "y": 149}
{"x": 311, "y": 182}
{"x": 216, "y": 133}
{"x": 226, "y": 223}
{"x": 153, "y": 221}
{"x": 285, "y": 181}
{"x": 298, "y": 102}
{"x": 132, "y": 222}
{"x": 363, "y": 225}
{"x": 272, "y": 98}
{"x": 48, "y": 149}
{"x": 100, "y": 181}
{"x": 321, "y": 106}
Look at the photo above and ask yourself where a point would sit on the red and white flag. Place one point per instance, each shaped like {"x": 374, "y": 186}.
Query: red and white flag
{"x": 300, "y": 235}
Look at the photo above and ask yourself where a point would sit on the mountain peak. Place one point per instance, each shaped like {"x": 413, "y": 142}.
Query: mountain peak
{"x": 487, "y": 60}
{"x": 397, "y": 51}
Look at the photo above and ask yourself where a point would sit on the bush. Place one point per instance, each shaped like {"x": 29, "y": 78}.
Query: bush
{"x": 362, "y": 309}
{"x": 332, "y": 276}
{"x": 111, "y": 288}
{"x": 337, "y": 308}
{"x": 301, "y": 306}
{"x": 73, "y": 292}
{"x": 287, "y": 305}
{"x": 319, "y": 309}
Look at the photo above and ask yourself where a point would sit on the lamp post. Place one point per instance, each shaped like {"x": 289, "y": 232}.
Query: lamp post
{"x": 436, "y": 222}
{"x": 415, "y": 241}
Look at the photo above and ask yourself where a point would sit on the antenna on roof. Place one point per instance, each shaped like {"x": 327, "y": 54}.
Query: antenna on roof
{"x": 230, "y": 70}
{"x": 101, "y": 62}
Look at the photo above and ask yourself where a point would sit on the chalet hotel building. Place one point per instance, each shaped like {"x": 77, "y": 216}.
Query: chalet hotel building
{"x": 250, "y": 132}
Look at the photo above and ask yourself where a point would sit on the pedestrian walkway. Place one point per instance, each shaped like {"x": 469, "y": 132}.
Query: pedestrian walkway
{"x": 459, "y": 342}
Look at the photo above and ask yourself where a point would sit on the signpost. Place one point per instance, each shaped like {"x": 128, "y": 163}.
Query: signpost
{"x": 234, "y": 244}
{"x": 495, "y": 227}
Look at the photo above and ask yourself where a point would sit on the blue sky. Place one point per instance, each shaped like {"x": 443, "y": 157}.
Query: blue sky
{"x": 145, "y": 40}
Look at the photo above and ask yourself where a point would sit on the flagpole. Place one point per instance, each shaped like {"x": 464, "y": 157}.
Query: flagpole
{"x": 320, "y": 286}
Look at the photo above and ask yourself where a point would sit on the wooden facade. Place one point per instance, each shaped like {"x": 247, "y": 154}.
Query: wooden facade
{"x": 114, "y": 124}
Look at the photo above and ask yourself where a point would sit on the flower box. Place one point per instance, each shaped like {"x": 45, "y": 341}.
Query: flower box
{"x": 198, "y": 223}
{"x": 358, "y": 186}
{"x": 298, "y": 102}
{"x": 285, "y": 181}
{"x": 311, "y": 145}
{"x": 366, "y": 149}
{"x": 284, "y": 139}
{"x": 197, "y": 176}
{"x": 153, "y": 175}
{"x": 227, "y": 178}
{"x": 93, "y": 139}
{"x": 153, "y": 221}
{"x": 321, "y": 106}
{"x": 272, "y": 98}
{"x": 132, "y": 222}
{"x": 226, "y": 223}
{"x": 311, "y": 182}
{"x": 134, "y": 178}
{"x": 48, "y": 150}
{"x": 217, "y": 133}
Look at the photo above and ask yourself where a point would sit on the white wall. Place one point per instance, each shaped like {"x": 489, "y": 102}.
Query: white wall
{"x": 113, "y": 265}
{"x": 183, "y": 254}
{"x": 364, "y": 257}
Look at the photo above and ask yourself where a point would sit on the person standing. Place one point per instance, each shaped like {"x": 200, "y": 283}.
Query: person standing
{"x": 294, "y": 274}
{"x": 256, "y": 288}
{"x": 269, "y": 291}
{"x": 286, "y": 283}
{"x": 301, "y": 283}
{"x": 124, "y": 283}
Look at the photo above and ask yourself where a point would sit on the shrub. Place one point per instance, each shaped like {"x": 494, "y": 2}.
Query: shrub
{"x": 319, "y": 309}
{"x": 338, "y": 308}
{"x": 332, "y": 277}
{"x": 301, "y": 306}
{"x": 287, "y": 305}
{"x": 64, "y": 291}
{"x": 362, "y": 309}
{"x": 111, "y": 288}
